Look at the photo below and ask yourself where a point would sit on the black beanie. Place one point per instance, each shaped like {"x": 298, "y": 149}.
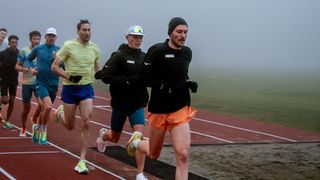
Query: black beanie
{"x": 174, "y": 22}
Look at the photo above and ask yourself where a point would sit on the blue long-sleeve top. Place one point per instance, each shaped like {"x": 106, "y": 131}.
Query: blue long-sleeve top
{"x": 45, "y": 56}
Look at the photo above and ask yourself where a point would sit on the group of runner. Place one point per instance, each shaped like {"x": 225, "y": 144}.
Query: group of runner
{"x": 129, "y": 71}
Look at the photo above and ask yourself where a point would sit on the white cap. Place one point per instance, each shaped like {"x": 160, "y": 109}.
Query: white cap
{"x": 135, "y": 30}
{"x": 51, "y": 30}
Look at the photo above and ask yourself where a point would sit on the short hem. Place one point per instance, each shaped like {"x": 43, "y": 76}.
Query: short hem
{"x": 168, "y": 121}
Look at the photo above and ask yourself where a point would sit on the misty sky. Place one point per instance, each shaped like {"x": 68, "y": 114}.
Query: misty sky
{"x": 226, "y": 33}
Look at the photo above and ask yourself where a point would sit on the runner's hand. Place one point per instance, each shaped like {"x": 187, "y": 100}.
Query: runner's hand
{"x": 97, "y": 75}
{"x": 75, "y": 79}
{"x": 193, "y": 86}
{"x": 34, "y": 71}
{"x": 132, "y": 80}
{"x": 25, "y": 70}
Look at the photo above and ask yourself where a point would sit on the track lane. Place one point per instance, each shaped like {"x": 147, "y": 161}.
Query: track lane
{"x": 206, "y": 128}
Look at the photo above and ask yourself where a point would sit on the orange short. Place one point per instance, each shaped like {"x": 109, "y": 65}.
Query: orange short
{"x": 168, "y": 121}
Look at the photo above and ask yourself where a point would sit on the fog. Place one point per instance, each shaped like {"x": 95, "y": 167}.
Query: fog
{"x": 260, "y": 34}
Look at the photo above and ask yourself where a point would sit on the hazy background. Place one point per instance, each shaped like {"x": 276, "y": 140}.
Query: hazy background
{"x": 251, "y": 34}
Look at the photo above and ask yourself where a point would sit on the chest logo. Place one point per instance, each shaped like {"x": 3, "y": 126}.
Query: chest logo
{"x": 169, "y": 56}
{"x": 130, "y": 61}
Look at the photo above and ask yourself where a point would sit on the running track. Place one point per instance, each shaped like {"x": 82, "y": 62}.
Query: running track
{"x": 21, "y": 159}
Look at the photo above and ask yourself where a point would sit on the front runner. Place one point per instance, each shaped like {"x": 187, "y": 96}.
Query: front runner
{"x": 167, "y": 66}
{"x": 129, "y": 96}
{"x": 81, "y": 59}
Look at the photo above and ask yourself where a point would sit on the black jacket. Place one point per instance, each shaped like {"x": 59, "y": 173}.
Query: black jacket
{"x": 166, "y": 72}
{"x": 128, "y": 93}
{"x": 8, "y": 60}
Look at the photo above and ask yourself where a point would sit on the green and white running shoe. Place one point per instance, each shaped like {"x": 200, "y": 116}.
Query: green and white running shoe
{"x": 58, "y": 113}
{"x": 81, "y": 167}
{"x": 7, "y": 125}
{"x": 35, "y": 134}
{"x": 131, "y": 150}
{"x": 43, "y": 138}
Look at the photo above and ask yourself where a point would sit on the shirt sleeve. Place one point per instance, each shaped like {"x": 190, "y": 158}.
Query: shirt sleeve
{"x": 21, "y": 56}
{"x": 98, "y": 54}
{"x": 63, "y": 53}
{"x": 31, "y": 57}
{"x": 150, "y": 67}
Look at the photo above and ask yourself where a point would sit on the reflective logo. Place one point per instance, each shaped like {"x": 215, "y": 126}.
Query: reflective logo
{"x": 169, "y": 55}
{"x": 130, "y": 61}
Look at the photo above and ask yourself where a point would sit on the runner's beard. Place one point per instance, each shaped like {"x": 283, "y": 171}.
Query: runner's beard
{"x": 177, "y": 44}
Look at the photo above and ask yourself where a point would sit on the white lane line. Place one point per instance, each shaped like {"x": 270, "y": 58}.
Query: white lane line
{"x": 78, "y": 157}
{"x": 34, "y": 103}
{"x": 99, "y": 97}
{"x": 29, "y": 152}
{"x": 102, "y": 106}
{"x": 244, "y": 129}
{"x": 213, "y": 137}
{"x": 7, "y": 174}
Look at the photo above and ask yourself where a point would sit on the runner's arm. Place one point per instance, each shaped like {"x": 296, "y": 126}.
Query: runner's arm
{"x": 96, "y": 66}
{"x": 19, "y": 67}
{"x": 55, "y": 67}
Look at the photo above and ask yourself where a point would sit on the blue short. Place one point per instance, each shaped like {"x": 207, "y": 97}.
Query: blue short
{"x": 73, "y": 94}
{"x": 27, "y": 90}
{"x": 45, "y": 91}
{"x": 118, "y": 118}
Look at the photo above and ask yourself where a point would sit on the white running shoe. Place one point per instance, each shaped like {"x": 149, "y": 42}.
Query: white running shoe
{"x": 101, "y": 145}
{"x": 140, "y": 176}
{"x": 23, "y": 132}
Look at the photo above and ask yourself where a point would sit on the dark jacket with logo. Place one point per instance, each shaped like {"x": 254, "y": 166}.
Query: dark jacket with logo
{"x": 8, "y": 60}
{"x": 166, "y": 72}
{"x": 128, "y": 92}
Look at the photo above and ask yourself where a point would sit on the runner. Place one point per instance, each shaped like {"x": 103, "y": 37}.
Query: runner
{"x": 81, "y": 59}
{"x": 46, "y": 82}
{"x": 3, "y": 46}
{"x": 3, "y": 35}
{"x": 9, "y": 77}
{"x": 166, "y": 66}
{"x": 28, "y": 83}
{"x": 128, "y": 95}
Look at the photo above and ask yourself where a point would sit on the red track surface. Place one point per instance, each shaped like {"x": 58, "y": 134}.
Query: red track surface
{"x": 48, "y": 162}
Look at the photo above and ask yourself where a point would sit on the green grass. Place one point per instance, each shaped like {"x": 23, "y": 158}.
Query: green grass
{"x": 287, "y": 98}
